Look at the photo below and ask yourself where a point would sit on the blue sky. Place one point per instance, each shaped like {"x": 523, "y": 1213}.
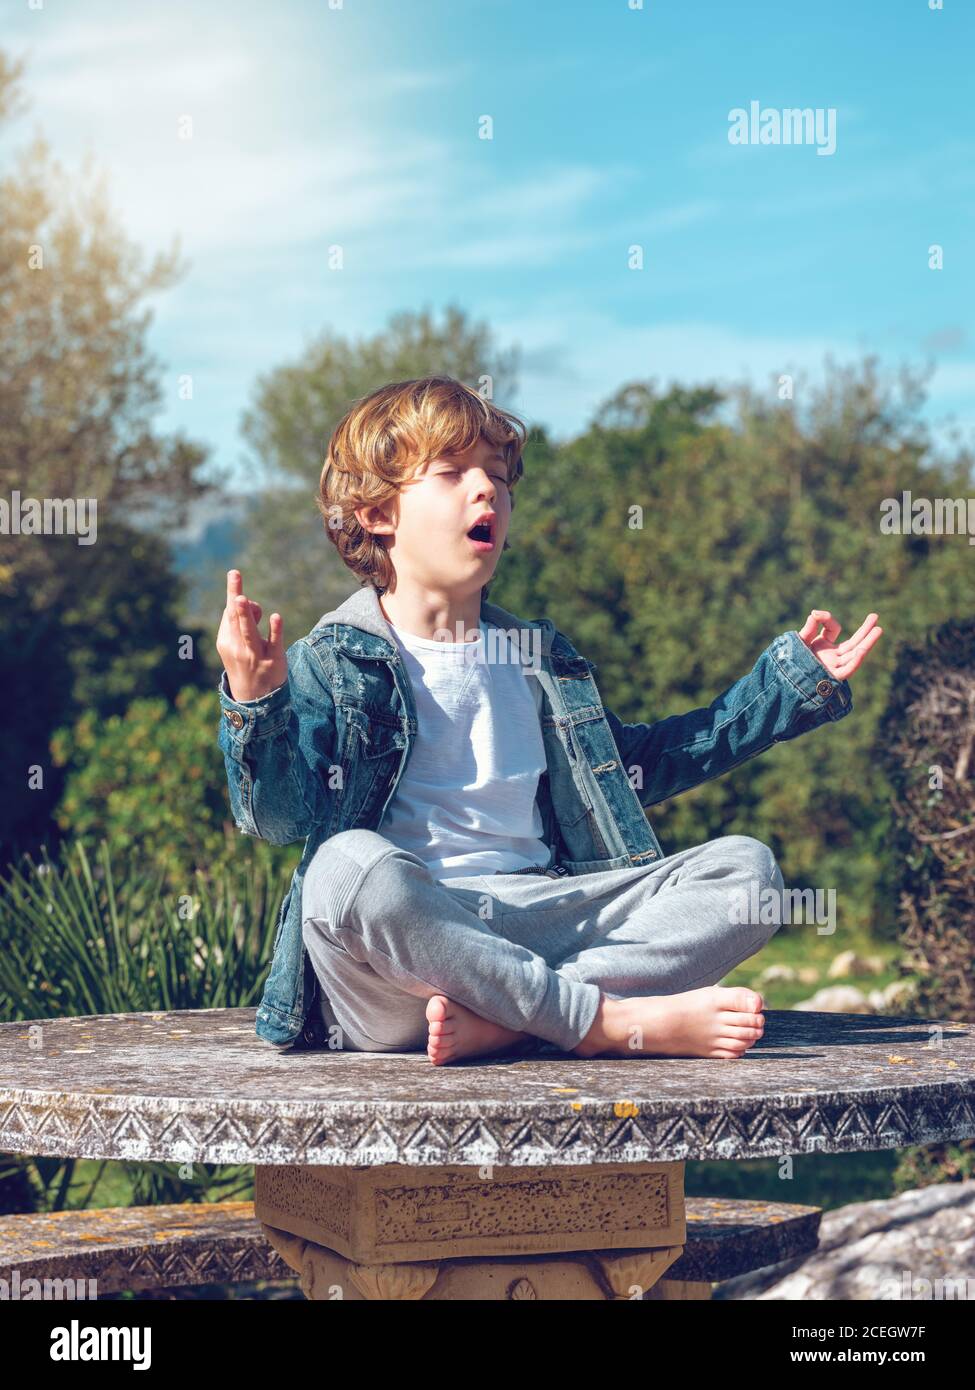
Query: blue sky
{"x": 358, "y": 126}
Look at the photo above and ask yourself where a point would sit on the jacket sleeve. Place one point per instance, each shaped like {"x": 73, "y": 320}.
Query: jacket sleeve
{"x": 279, "y": 751}
{"x": 786, "y": 693}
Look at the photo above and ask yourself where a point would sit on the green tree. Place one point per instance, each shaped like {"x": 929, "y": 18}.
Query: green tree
{"x": 81, "y": 625}
{"x": 672, "y": 546}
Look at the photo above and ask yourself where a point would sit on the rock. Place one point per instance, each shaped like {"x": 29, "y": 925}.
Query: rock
{"x": 772, "y": 973}
{"x": 808, "y": 975}
{"x": 837, "y": 999}
{"x": 848, "y": 963}
{"x": 893, "y": 998}
{"x": 900, "y": 993}
{"x": 841, "y": 965}
{"x": 917, "y": 1245}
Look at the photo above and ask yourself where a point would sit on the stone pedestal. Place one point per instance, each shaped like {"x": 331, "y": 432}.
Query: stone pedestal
{"x": 603, "y": 1231}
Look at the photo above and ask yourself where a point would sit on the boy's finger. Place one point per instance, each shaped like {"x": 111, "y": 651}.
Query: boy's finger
{"x": 812, "y": 624}
{"x": 233, "y": 622}
{"x": 861, "y": 632}
{"x": 275, "y": 630}
{"x": 248, "y": 628}
{"x": 234, "y": 586}
{"x": 849, "y": 663}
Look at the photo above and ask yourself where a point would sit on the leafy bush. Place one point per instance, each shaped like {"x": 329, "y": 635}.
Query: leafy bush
{"x": 153, "y": 780}
{"x": 926, "y": 745}
{"x": 81, "y": 937}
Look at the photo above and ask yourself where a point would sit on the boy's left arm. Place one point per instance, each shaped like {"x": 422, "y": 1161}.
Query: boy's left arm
{"x": 798, "y": 682}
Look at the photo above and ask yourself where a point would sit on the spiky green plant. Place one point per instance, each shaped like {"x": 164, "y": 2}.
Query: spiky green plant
{"x": 81, "y": 937}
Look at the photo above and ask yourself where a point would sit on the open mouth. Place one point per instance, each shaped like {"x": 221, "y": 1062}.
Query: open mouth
{"x": 482, "y": 536}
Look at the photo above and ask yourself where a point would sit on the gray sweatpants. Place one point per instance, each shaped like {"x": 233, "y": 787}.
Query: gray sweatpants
{"x": 528, "y": 951}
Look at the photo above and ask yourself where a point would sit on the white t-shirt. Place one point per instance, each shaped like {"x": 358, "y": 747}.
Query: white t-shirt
{"x": 466, "y": 802}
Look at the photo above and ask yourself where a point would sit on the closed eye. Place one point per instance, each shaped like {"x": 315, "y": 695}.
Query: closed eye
{"x": 456, "y": 472}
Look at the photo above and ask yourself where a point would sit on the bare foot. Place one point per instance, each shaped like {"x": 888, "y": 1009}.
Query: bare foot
{"x": 455, "y": 1031}
{"x": 709, "y": 1022}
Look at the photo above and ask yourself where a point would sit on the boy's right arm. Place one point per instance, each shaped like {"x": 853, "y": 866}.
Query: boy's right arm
{"x": 278, "y": 751}
{"x": 278, "y": 738}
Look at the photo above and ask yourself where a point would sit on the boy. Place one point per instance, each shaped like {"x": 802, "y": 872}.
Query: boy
{"x": 478, "y": 872}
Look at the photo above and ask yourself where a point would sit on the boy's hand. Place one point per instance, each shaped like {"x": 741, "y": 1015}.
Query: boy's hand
{"x": 254, "y": 666}
{"x": 840, "y": 661}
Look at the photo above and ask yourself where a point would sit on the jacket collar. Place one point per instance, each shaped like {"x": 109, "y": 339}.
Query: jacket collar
{"x": 361, "y": 611}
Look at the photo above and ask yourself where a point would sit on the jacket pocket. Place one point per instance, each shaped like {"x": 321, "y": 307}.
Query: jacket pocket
{"x": 371, "y": 737}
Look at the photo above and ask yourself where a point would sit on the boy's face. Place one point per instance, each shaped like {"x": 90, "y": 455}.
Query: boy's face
{"x": 428, "y": 522}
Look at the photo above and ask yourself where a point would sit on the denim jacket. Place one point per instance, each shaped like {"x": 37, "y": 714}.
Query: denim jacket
{"x": 325, "y": 751}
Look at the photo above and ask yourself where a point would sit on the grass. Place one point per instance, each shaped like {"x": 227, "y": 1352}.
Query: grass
{"x": 802, "y": 947}
{"x": 817, "y": 1180}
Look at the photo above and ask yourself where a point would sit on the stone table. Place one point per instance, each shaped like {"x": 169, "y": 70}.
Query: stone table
{"x": 389, "y": 1168}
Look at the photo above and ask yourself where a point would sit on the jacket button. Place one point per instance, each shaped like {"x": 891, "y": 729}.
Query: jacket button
{"x": 824, "y": 688}
{"x": 235, "y": 717}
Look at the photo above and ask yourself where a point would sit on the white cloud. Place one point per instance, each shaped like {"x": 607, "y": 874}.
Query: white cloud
{"x": 119, "y": 94}
{"x": 52, "y": 38}
{"x": 683, "y": 215}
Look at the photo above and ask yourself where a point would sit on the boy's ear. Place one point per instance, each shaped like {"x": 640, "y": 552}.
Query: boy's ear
{"x": 375, "y": 519}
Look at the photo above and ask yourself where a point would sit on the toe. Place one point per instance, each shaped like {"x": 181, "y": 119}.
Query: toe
{"x": 436, "y": 1010}
{"x": 742, "y": 1020}
{"x": 746, "y": 1001}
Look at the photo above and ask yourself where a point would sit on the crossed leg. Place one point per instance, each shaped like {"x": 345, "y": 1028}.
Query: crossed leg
{"x": 406, "y": 961}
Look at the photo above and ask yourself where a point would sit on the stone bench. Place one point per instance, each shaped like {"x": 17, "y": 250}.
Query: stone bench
{"x": 153, "y": 1247}
{"x": 144, "y": 1247}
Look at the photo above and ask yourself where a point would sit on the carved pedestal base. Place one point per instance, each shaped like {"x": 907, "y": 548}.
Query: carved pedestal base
{"x": 605, "y": 1231}
{"x": 679, "y": 1290}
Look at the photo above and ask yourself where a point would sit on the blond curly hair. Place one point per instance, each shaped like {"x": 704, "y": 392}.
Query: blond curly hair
{"x": 381, "y": 443}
